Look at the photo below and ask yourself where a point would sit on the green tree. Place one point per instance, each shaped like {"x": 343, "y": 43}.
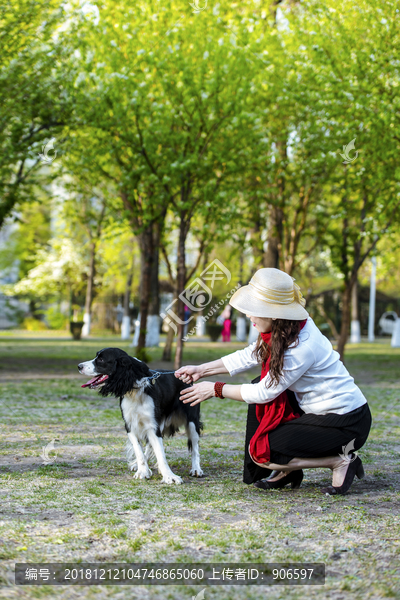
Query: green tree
{"x": 161, "y": 123}
{"x": 86, "y": 211}
{"x": 58, "y": 273}
{"x": 350, "y": 56}
{"x": 33, "y": 102}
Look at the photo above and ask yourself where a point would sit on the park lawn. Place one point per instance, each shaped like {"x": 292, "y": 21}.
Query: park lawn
{"x": 85, "y": 506}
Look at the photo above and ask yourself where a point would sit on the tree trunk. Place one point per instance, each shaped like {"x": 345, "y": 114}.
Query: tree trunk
{"x": 126, "y": 319}
{"x": 354, "y": 302}
{"x": 10, "y": 198}
{"x": 33, "y": 309}
{"x": 274, "y": 241}
{"x": 355, "y": 335}
{"x": 321, "y": 310}
{"x": 272, "y": 255}
{"x": 167, "y": 354}
{"x": 153, "y": 320}
{"x": 255, "y": 238}
{"x": 89, "y": 290}
{"x": 154, "y": 306}
{"x": 346, "y": 314}
{"x": 7, "y": 204}
{"x": 146, "y": 263}
{"x": 127, "y": 294}
{"x": 181, "y": 282}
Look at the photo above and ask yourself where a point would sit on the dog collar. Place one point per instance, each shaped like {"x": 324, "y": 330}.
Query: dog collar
{"x": 157, "y": 374}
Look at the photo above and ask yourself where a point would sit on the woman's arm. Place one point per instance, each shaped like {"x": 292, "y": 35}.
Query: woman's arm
{"x": 238, "y": 361}
{"x": 203, "y": 391}
{"x": 241, "y": 360}
{"x": 295, "y": 365}
{"x": 192, "y": 373}
{"x": 214, "y": 367}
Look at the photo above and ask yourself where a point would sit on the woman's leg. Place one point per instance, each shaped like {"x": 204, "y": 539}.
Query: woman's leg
{"x": 337, "y": 465}
{"x": 312, "y": 442}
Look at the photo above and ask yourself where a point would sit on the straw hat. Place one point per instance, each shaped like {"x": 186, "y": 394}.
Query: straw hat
{"x": 271, "y": 293}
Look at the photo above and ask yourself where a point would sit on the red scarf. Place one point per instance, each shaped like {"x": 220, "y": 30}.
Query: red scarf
{"x": 269, "y": 415}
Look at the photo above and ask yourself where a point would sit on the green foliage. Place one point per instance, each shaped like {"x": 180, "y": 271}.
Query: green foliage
{"x": 349, "y": 51}
{"x": 32, "y": 324}
{"x": 33, "y": 100}
{"x": 228, "y": 124}
{"x": 143, "y": 355}
{"x": 59, "y": 270}
{"x": 30, "y": 234}
{"x": 55, "y": 318}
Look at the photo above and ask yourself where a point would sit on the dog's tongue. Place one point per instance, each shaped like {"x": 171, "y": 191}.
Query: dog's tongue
{"x": 97, "y": 379}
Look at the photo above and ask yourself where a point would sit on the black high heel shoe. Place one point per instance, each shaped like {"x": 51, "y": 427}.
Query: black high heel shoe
{"x": 355, "y": 468}
{"x": 294, "y": 478}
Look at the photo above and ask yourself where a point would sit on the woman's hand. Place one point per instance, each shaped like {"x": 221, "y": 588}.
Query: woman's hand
{"x": 189, "y": 374}
{"x": 197, "y": 393}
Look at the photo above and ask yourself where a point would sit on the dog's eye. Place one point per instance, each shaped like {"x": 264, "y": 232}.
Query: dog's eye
{"x": 99, "y": 359}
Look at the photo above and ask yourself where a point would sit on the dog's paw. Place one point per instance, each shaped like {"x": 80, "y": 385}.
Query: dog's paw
{"x": 196, "y": 473}
{"x": 143, "y": 474}
{"x": 172, "y": 478}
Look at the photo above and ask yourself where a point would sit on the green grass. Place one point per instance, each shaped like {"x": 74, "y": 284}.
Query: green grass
{"x": 85, "y": 506}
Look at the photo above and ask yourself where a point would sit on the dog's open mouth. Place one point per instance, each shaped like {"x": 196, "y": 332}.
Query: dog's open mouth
{"x": 95, "y": 382}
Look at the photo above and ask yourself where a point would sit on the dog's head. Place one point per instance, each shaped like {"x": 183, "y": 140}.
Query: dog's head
{"x": 114, "y": 373}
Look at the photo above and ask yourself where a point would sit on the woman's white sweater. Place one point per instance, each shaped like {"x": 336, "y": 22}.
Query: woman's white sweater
{"x": 312, "y": 370}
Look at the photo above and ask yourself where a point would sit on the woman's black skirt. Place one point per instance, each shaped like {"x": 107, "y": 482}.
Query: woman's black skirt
{"x": 309, "y": 436}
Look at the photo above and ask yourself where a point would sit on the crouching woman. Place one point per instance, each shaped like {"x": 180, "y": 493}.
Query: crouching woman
{"x": 319, "y": 425}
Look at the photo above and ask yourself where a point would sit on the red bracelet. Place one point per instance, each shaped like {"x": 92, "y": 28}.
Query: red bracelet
{"x": 218, "y": 389}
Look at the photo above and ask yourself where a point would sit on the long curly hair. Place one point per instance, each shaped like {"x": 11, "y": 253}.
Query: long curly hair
{"x": 283, "y": 334}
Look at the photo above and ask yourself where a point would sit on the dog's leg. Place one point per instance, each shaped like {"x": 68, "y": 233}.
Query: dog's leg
{"x": 148, "y": 453}
{"x": 167, "y": 475}
{"x": 193, "y": 438}
{"x": 143, "y": 471}
{"x": 130, "y": 455}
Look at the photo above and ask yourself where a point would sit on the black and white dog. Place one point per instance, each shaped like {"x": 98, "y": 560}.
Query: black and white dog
{"x": 150, "y": 407}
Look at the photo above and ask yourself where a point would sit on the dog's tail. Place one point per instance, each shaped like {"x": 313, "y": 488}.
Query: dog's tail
{"x": 149, "y": 453}
{"x": 189, "y": 442}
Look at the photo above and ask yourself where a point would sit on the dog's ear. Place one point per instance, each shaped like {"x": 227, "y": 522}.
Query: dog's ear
{"x": 125, "y": 361}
